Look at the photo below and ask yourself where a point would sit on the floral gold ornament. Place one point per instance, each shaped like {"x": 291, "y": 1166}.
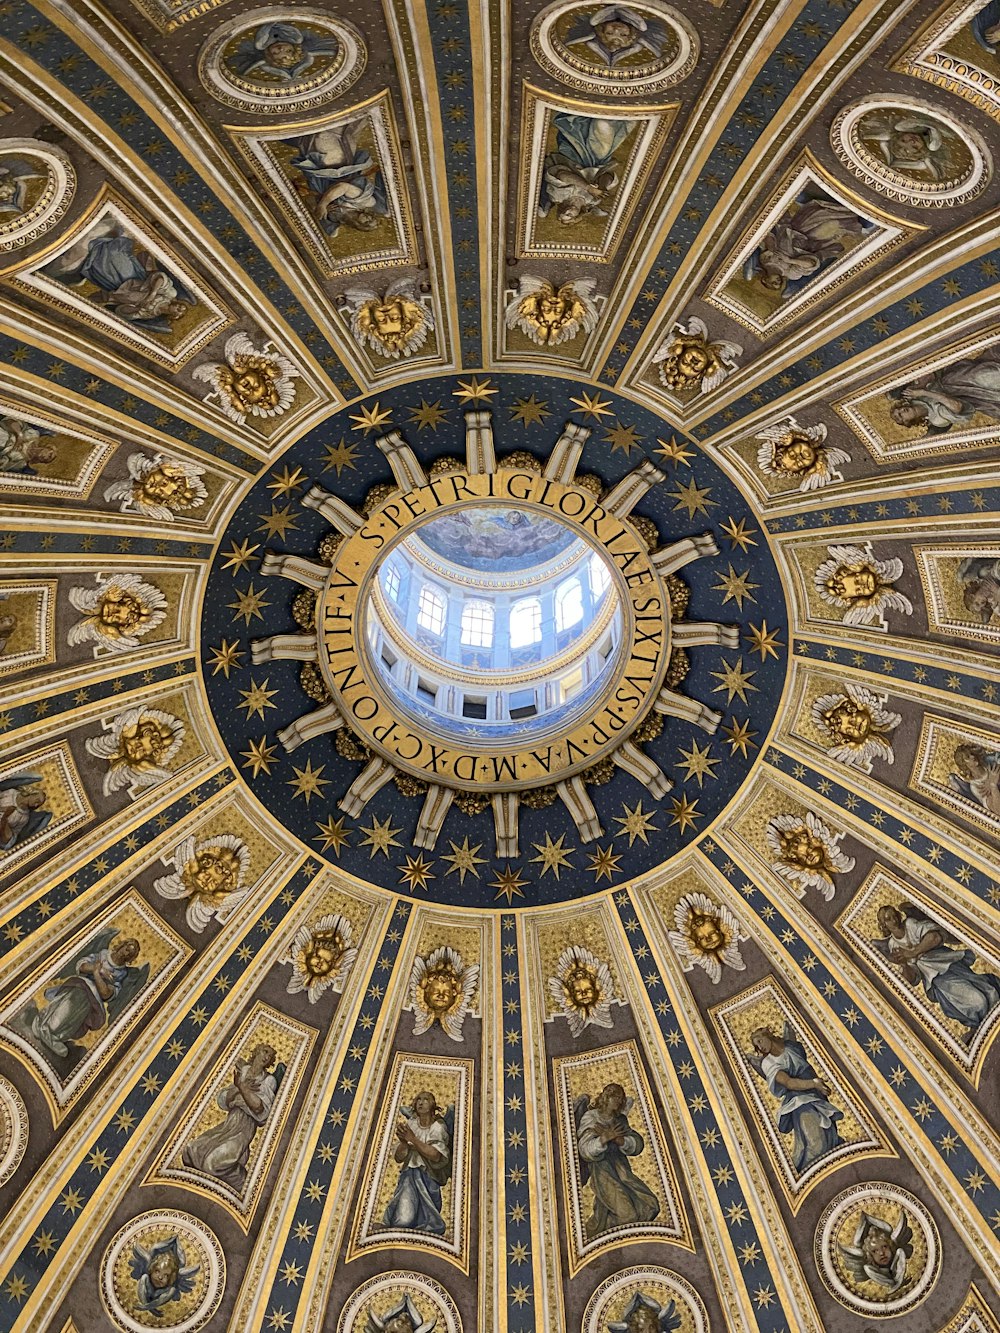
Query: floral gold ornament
{"x": 690, "y": 361}
{"x": 321, "y": 954}
{"x": 796, "y": 453}
{"x": 582, "y": 990}
{"x": 251, "y": 382}
{"x": 858, "y": 725}
{"x": 550, "y": 315}
{"x": 807, "y": 852}
{"x": 706, "y": 935}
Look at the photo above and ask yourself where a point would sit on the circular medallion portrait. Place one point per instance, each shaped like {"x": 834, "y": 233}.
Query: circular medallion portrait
{"x": 877, "y": 1249}
{"x": 37, "y": 184}
{"x": 911, "y": 152}
{"x": 164, "y": 1269}
{"x": 400, "y": 1302}
{"x": 634, "y": 49}
{"x": 279, "y": 60}
{"x": 645, "y": 1300}
{"x": 13, "y": 1129}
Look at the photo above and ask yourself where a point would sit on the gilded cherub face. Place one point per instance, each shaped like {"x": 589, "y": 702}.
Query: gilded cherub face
{"x": 706, "y": 933}
{"x": 390, "y": 318}
{"x": 803, "y": 848}
{"x": 615, "y": 35}
{"x": 214, "y": 871}
{"x": 582, "y": 989}
{"x": 440, "y": 991}
{"x": 552, "y": 310}
{"x": 252, "y": 387}
{"x": 854, "y": 583}
{"x": 849, "y": 722}
{"x": 120, "y": 610}
{"x": 146, "y": 742}
{"x": 795, "y": 453}
{"x": 163, "y": 1270}
{"x": 323, "y": 954}
{"x": 165, "y": 483}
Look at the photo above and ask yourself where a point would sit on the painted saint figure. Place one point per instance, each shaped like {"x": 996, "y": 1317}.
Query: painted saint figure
{"x": 949, "y": 398}
{"x": 224, "y": 1150}
{"x": 804, "y": 1110}
{"x": 980, "y": 580}
{"x": 810, "y": 235}
{"x": 605, "y": 1141}
{"x": 22, "y": 807}
{"x": 23, "y": 447}
{"x": 130, "y": 280}
{"x": 978, "y": 776}
{"x": 345, "y": 185}
{"x": 582, "y": 172}
{"x": 425, "y": 1159}
{"x": 102, "y": 982}
{"x": 925, "y": 955}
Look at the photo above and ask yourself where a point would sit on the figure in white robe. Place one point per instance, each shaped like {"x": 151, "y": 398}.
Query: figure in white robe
{"x": 804, "y": 1108}
{"x": 224, "y": 1150}
{"x": 605, "y": 1141}
{"x": 424, "y": 1156}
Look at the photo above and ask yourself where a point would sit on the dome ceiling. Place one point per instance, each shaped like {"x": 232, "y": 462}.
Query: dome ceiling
{"x": 657, "y": 990}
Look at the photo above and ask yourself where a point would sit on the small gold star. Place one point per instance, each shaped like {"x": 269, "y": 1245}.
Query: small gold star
{"x": 625, "y": 438}
{"x": 693, "y": 498}
{"x": 636, "y": 823}
{"x": 416, "y": 872}
{"x": 224, "y": 658}
{"x": 238, "y": 558}
{"x": 464, "y": 860}
{"x": 593, "y": 406}
{"x": 428, "y": 416}
{"x": 248, "y": 604}
{"x": 737, "y": 587}
{"x": 552, "y": 855}
{"x": 371, "y": 419}
{"x": 684, "y": 812}
{"x": 308, "y": 781}
{"x": 286, "y": 481}
{"x": 529, "y": 410}
{"x": 340, "y": 455}
{"x": 380, "y": 837}
{"x": 698, "y": 763}
{"x": 763, "y": 641}
{"x": 509, "y": 885}
{"x": 277, "y": 522}
{"x": 734, "y": 680}
{"x": 257, "y": 698}
{"x": 333, "y": 835}
{"x": 672, "y": 452}
{"x": 260, "y": 756}
{"x": 604, "y": 863}
{"x": 738, "y": 534}
{"x": 474, "y": 391}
